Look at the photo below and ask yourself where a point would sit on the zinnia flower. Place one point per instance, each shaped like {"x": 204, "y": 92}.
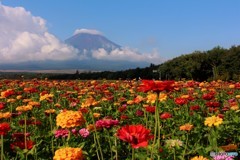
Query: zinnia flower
{"x": 106, "y": 123}
{"x": 68, "y": 119}
{"x": 2, "y": 105}
{"x": 148, "y": 85}
{"x": 213, "y": 121}
{"x": 180, "y": 101}
{"x": 229, "y": 147}
{"x": 223, "y": 157}
{"x": 151, "y": 98}
{"x": 68, "y": 153}
{"x": 5, "y": 115}
{"x": 21, "y": 144}
{"x": 4, "y": 128}
{"x": 136, "y": 135}
{"x": 24, "y": 108}
{"x": 173, "y": 143}
{"x": 199, "y": 158}
{"x": 84, "y": 132}
{"x": 165, "y": 115}
{"x": 186, "y": 127}
{"x": 61, "y": 133}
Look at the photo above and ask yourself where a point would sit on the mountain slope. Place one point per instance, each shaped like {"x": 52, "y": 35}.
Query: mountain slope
{"x": 90, "y": 42}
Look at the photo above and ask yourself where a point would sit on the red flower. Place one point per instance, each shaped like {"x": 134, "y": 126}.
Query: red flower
{"x": 194, "y": 108}
{"x": 207, "y": 96}
{"x": 139, "y": 113}
{"x": 123, "y": 117}
{"x": 148, "y": 85}
{"x": 180, "y": 101}
{"x": 136, "y": 135}
{"x": 213, "y": 104}
{"x": 165, "y": 115}
{"x": 151, "y": 109}
{"x": 4, "y": 128}
{"x": 21, "y": 144}
{"x": 2, "y": 104}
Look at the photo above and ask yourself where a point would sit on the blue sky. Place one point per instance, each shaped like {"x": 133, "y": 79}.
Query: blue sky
{"x": 170, "y": 27}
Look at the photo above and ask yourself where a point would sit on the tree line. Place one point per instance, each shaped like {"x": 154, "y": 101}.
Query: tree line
{"x": 217, "y": 63}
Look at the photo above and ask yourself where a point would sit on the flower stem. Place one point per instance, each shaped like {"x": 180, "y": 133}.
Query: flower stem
{"x": 133, "y": 154}
{"x": 96, "y": 136}
{"x": 25, "y": 132}
{"x": 116, "y": 148}
{"x": 2, "y": 147}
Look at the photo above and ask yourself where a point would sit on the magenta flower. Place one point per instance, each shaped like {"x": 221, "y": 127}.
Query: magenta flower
{"x": 61, "y": 133}
{"x": 106, "y": 123}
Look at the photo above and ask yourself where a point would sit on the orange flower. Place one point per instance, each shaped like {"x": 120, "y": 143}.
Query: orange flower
{"x": 5, "y": 115}
{"x": 24, "y": 108}
{"x": 199, "y": 158}
{"x": 32, "y": 103}
{"x": 49, "y": 111}
{"x": 90, "y": 127}
{"x": 96, "y": 115}
{"x": 229, "y": 147}
{"x": 89, "y": 102}
{"x": 68, "y": 119}
{"x": 68, "y": 153}
{"x": 186, "y": 127}
{"x": 138, "y": 99}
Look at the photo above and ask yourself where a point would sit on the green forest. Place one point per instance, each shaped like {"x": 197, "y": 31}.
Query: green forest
{"x": 217, "y": 63}
{"x": 214, "y": 64}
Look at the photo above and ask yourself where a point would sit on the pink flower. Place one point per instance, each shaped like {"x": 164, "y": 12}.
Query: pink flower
{"x": 61, "y": 133}
{"x": 84, "y": 132}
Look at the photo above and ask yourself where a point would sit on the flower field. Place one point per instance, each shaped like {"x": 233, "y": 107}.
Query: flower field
{"x": 116, "y": 120}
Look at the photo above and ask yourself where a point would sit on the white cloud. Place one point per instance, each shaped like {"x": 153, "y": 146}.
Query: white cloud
{"x": 89, "y": 31}
{"x": 128, "y": 54}
{"x": 24, "y": 37}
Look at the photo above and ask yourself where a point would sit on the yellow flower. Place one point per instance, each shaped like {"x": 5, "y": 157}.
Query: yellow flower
{"x": 68, "y": 153}
{"x": 151, "y": 98}
{"x": 186, "y": 127}
{"x": 237, "y": 96}
{"x": 199, "y": 158}
{"x": 45, "y": 97}
{"x": 162, "y": 97}
{"x": 24, "y": 108}
{"x": 214, "y": 120}
{"x": 68, "y": 119}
